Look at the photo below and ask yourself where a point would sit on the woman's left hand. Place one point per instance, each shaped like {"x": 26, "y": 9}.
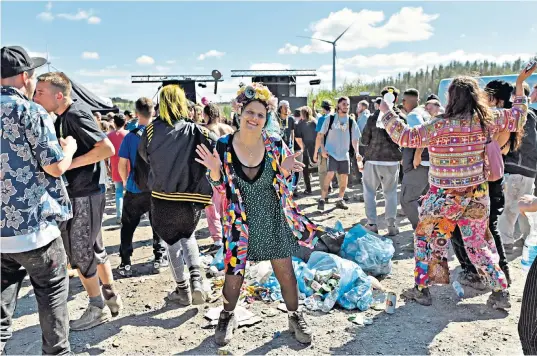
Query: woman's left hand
{"x": 290, "y": 163}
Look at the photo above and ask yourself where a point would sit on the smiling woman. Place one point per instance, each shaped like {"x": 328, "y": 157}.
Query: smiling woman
{"x": 252, "y": 171}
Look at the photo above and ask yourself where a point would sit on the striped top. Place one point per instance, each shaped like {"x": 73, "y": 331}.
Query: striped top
{"x": 456, "y": 145}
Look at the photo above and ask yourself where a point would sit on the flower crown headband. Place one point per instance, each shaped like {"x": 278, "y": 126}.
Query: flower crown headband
{"x": 255, "y": 91}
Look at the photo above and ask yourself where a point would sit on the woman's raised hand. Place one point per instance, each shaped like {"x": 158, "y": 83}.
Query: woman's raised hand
{"x": 209, "y": 159}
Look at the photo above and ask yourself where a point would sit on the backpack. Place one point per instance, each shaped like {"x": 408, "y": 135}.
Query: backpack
{"x": 141, "y": 167}
{"x": 332, "y": 118}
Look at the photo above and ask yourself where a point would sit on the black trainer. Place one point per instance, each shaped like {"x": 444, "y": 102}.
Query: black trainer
{"x": 320, "y": 205}
{"x": 124, "y": 270}
{"x": 227, "y": 324}
{"x": 340, "y": 204}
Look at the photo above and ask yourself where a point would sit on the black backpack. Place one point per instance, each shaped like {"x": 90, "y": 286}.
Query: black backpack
{"x": 141, "y": 167}
{"x": 332, "y": 118}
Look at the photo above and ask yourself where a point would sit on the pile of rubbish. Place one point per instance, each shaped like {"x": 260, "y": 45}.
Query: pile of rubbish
{"x": 373, "y": 253}
{"x": 326, "y": 279}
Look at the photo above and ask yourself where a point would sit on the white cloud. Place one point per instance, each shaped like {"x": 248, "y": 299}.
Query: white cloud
{"x": 288, "y": 49}
{"x": 94, "y": 20}
{"x": 212, "y": 53}
{"x": 82, "y": 15}
{"x": 368, "y": 30}
{"x": 122, "y": 88}
{"x": 90, "y": 55}
{"x": 227, "y": 90}
{"x": 145, "y": 60}
{"x": 269, "y": 66}
{"x": 107, "y": 72}
{"x": 171, "y": 62}
{"x": 380, "y": 66}
{"x": 38, "y": 54}
{"x": 415, "y": 61}
{"x": 45, "y": 16}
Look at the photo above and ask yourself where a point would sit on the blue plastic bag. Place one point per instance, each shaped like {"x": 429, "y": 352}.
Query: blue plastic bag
{"x": 351, "y": 277}
{"x": 360, "y": 297}
{"x": 218, "y": 260}
{"x": 371, "y": 252}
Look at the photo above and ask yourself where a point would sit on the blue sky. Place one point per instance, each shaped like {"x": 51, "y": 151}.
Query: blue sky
{"x": 100, "y": 44}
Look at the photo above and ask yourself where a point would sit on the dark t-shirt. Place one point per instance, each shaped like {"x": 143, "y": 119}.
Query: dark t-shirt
{"x": 288, "y": 125}
{"x": 78, "y": 121}
{"x": 306, "y": 131}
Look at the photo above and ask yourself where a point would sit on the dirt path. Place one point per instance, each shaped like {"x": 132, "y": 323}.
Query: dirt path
{"x": 149, "y": 326}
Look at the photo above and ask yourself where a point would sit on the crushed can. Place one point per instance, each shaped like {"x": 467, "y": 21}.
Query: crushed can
{"x": 391, "y": 301}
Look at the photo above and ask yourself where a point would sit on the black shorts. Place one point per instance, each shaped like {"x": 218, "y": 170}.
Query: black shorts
{"x": 82, "y": 237}
{"x": 174, "y": 220}
{"x": 340, "y": 167}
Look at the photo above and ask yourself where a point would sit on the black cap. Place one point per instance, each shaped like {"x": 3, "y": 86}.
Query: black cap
{"x": 326, "y": 104}
{"x": 127, "y": 113}
{"x": 433, "y": 97}
{"x": 15, "y": 60}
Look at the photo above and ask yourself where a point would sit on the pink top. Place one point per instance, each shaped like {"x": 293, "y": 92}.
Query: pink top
{"x": 456, "y": 145}
{"x": 116, "y": 137}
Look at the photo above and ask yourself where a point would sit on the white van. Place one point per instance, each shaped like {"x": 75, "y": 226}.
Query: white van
{"x": 510, "y": 78}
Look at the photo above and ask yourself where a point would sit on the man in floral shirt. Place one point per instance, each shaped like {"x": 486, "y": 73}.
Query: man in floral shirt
{"x": 34, "y": 200}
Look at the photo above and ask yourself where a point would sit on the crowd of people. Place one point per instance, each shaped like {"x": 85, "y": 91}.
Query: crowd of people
{"x": 466, "y": 171}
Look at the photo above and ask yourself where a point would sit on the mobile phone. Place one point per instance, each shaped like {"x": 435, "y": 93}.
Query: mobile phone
{"x": 532, "y": 63}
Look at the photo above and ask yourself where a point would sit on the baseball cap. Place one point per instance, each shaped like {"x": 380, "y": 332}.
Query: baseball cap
{"x": 433, "y": 97}
{"x": 326, "y": 104}
{"x": 15, "y": 60}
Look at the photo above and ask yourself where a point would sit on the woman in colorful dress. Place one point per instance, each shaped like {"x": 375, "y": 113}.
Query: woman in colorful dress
{"x": 499, "y": 97}
{"x": 253, "y": 170}
{"x": 458, "y": 194}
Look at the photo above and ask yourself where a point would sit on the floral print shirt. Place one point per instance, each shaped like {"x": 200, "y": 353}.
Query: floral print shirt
{"x": 31, "y": 199}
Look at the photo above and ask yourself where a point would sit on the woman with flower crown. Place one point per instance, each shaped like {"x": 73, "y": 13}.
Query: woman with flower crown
{"x": 253, "y": 171}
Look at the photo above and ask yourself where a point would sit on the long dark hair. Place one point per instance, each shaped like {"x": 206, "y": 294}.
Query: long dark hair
{"x": 465, "y": 99}
{"x": 500, "y": 90}
{"x": 213, "y": 113}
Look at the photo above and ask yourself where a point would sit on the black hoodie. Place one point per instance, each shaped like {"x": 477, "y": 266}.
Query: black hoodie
{"x": 379, "y": 145}
{"x": 524, "y": 161}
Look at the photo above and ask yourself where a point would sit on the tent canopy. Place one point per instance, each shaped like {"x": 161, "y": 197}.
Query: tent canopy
{"x": 95, "y": 103}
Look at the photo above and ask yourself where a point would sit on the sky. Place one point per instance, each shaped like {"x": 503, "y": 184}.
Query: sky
{"x": 101, "y": 44}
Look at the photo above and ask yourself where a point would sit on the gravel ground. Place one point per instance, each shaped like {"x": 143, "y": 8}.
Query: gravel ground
{"x": 148, "y": 325}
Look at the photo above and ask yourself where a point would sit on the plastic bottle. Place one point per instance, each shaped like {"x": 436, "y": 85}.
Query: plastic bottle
{"x": 530, "y": 245}
{"x": 389, "y": 98}
{"x": 458, "y": 289}
{"x": 313, "y": 302}
{"x": 329, "y": 302}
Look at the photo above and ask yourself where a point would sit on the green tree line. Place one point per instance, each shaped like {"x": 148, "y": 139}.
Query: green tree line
{"x": 426, "y": 81}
